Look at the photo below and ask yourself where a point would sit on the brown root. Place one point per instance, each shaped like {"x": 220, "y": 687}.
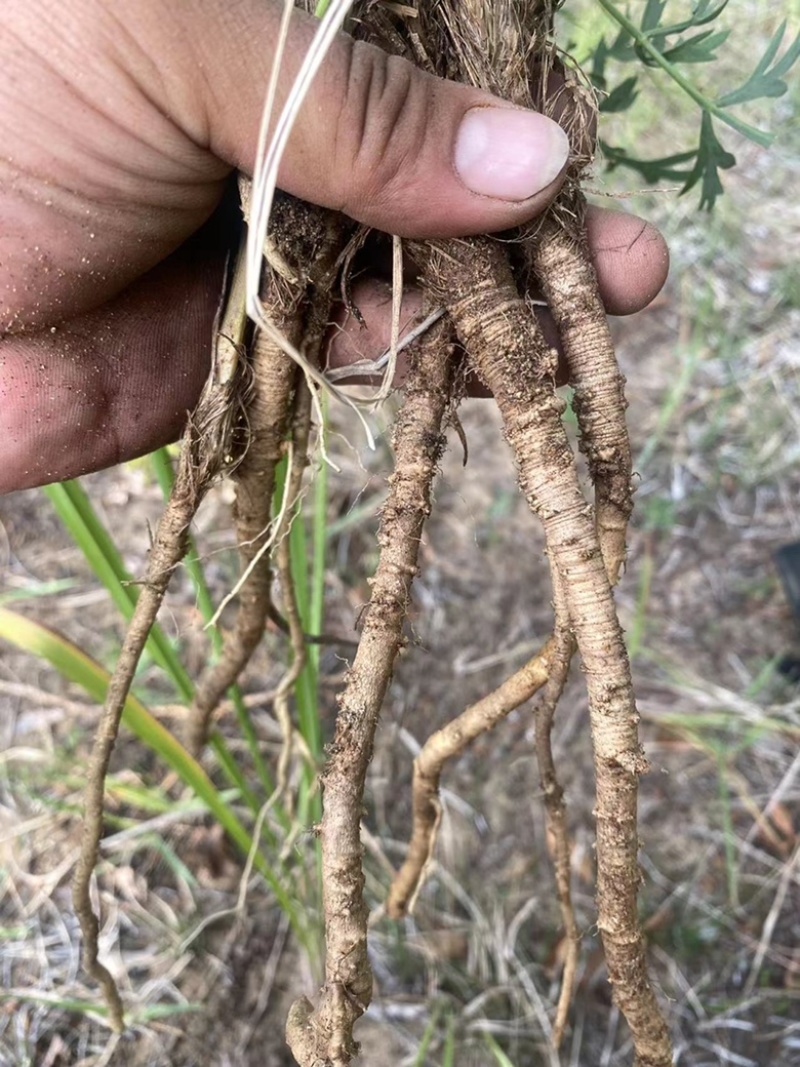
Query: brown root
{"x": 274, "y": 376}
{"x": 325, "y": 1035}
{"x": 509, "y": 354}
{"x": 563, "y": 647}
{"x": 205, "y": 448}
{"x": 442, "y": 746}
{"x": 302, "y": 250}
{"x": 566, "y": 275}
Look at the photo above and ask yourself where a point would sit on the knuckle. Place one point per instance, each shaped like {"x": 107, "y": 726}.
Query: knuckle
{"x": 382, "y": 124}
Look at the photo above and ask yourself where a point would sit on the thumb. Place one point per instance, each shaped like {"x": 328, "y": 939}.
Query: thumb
{"x": 376, "y": 138}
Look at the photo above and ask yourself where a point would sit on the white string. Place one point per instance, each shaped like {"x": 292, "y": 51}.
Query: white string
{"x": 269, "y": 154}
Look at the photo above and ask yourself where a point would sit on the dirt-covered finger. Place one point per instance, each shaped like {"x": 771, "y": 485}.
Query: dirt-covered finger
{"x": 112, "y": 384}
{"x": 630, "y": 257}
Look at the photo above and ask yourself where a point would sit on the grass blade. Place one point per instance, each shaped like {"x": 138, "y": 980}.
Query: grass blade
{"x": 90, "y": 535}
{"x": 500, "y": 1057}
{"x": 77, "y": 667}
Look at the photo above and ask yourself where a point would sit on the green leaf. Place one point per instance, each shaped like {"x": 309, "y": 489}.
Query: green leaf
{"x": 702, "y": 14}
{"x": 449, "y": 1052}
{"x": 90, "y": 535}
{"x": 711, "y": 159}
{"x": 500, "y": 1057}
{"x": 36, "y": 589}
{"x": 621, "y": 96}
{"x": 666, "y": 168}
{"x": 420, "y": 1058}
{"x": 147, "y": 1012}
{"x": 766, "y": 80}
{"x": 621, "y": 50}
{"x": 698, "y": 49}
{"x": 650, "y": 51}
{"x": 651, "y": 16}
{"x": 74, "y": 665}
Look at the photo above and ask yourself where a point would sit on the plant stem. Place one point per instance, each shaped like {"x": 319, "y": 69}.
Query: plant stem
{"x": 761, "y": 137}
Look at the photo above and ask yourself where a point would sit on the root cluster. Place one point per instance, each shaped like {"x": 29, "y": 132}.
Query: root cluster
{"x": 483, "y": 285}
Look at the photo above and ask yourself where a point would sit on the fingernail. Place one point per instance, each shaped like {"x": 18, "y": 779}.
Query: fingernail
{"x": 509, "y": 154}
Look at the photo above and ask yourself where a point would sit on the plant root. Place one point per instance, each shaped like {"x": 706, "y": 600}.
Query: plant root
{"x": 444, "y": 745}
{"x": 563, "y": 648}
{"x": 325, "y": 1035}
{"x": 508, "y": 352}
{"x": 205, "y": 450}
{"x": 564, "y": 270}
{"x": 301, "y": 252}
{"x": 274, "y": 376}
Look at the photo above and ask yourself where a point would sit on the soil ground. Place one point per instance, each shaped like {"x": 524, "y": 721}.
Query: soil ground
{"x": 714, "y": 386}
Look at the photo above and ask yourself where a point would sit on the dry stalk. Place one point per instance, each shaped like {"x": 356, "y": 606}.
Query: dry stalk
{"x": 444, "y": 745}
{"x": 325, "y": 1035}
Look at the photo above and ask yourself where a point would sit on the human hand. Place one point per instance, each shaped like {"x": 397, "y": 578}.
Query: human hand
{"x": 121, "y": 125}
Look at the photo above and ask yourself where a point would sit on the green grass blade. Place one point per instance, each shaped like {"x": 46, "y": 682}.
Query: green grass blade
{"x": 427, "y": 1037}
{"x": 319, "y": 545}
{"x": 146, "y": 1013}
{"x": 79, "y": 517}
{"x": 499, "y": 1056}
{"x": 307, "y": 693}
{"x": 634, "y": 638}
{"x": 77, "y": 667}
{"x": 37, "y": 589}
{"x": 309, "y": 806}
{"x": 231, "y": 768}
{"x": 449, "y": 1056}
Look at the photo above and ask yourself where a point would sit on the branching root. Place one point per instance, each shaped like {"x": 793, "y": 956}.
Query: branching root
{"x": 443, "y": 746}
{"x": 204, "y": 450}
{"x": 566, "y": 275}
{"x": 508, "y": 352}
{"x": 324, "y": 1035}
